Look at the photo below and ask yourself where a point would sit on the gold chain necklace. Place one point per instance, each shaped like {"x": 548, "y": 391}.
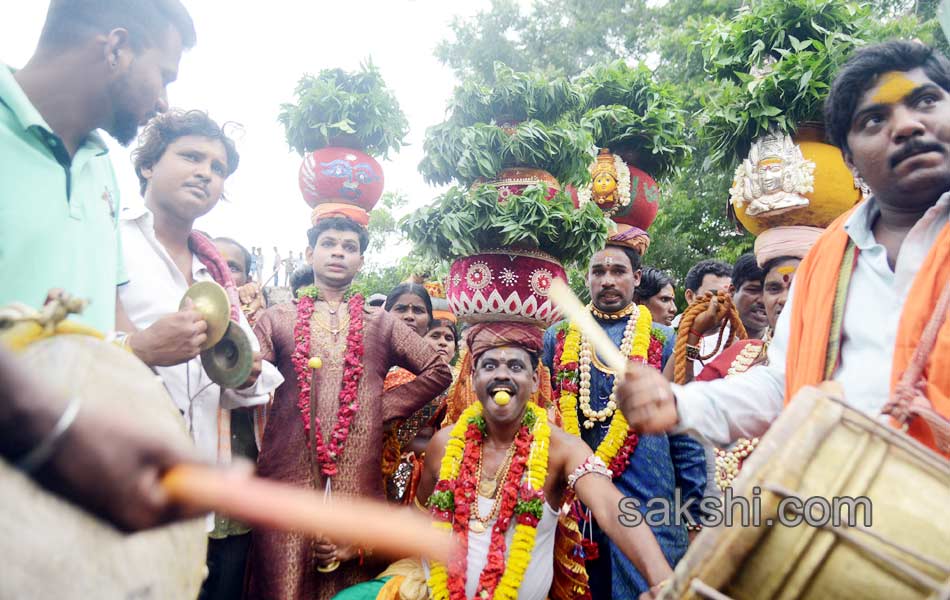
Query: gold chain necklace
{"x": 616, "y": 316}
{"x": 477, "y": 523}
{"x": 588, "y": 356}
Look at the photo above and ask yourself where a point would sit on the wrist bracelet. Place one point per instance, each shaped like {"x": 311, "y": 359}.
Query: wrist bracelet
{"x": 694, "y": 527}
{"x": 593, "y": 464}
{"x": 696, "y": 333}
{"x": 692, "y": 352}
{"x": 35, "y": 458}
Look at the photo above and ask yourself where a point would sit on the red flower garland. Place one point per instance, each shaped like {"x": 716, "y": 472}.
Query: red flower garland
{"x": 466, "y": 495}
{"x": 327, "y": 453}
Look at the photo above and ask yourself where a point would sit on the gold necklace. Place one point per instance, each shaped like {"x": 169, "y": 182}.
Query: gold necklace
{"x": 326, "y": 327}
{"x": 588, "y": 356}
{"x": 615, "y": 316}
{"x": 477, "y": 523}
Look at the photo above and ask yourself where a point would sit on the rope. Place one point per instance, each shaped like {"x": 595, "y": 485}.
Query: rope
{"x": 909, "y": 400}
{"x": 21, "y": 325}
{"x": 730, "y": 318}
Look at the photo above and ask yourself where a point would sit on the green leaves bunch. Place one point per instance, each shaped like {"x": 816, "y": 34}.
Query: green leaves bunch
{"x": 461, "y": 223}
{"x": 514, "y": 96}
{"x": 465, "y": 154}
{"x": 339, "y": 107}
{"x": 627, "y": 107}
{"x": 798, "y": 46}
{"x": 521, "y": 120}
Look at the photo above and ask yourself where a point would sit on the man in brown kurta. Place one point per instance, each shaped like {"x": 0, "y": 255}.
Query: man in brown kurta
{"x": 284, "y": 566}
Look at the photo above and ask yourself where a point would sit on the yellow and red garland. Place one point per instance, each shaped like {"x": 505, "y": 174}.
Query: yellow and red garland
{"x": 456, "y": 490}
{"x": 620, "y": 441}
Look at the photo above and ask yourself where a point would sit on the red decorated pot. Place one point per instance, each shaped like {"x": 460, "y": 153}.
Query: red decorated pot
{"x": 513, "y": 181}
{"x": 344, "y": 175}
{"x": 625, "y": 193}
{"x": 504, "y": 285}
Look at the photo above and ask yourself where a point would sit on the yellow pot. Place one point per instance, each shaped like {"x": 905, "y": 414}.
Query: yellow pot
{"x": 834, "y": 189}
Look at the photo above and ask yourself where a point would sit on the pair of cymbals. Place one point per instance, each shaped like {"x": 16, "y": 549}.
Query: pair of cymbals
{"x": 227, "y": 355}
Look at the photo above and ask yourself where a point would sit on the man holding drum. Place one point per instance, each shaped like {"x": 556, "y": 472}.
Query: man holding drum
{"x": 889, "y": 112}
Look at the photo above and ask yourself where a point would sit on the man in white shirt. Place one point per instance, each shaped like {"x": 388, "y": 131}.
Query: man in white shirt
{"x": 889, "y": 111}
{"x": 182, "y": 162}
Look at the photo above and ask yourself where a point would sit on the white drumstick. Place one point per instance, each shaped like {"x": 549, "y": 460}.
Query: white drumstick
{"x": 578, "y": 314}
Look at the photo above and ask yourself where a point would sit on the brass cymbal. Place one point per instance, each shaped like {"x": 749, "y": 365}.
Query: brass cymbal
{"x": 212, "y": 302}
{"x": 229, "y": 362}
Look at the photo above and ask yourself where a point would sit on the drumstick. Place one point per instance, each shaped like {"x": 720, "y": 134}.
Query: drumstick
{"x": 578, "y": 314}
{"x": 381, "y": 527}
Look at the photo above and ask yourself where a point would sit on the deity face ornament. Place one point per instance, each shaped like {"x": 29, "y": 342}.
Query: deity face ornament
{"x": 774, "y": 178}
{"x": 353, "y": 175}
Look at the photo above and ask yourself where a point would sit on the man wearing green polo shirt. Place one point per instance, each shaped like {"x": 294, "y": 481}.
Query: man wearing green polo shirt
{"x": 98, "y": 65}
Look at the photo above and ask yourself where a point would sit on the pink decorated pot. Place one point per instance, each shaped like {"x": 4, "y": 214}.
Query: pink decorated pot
{"x": 342, "y": 175}
{"x": 645, "y": 201}
{"x": 513, "y": 181}
{"x": 504, "y": 285}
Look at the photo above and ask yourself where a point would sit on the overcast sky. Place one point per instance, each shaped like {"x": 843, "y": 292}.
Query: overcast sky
{"x": 247, "y": 62}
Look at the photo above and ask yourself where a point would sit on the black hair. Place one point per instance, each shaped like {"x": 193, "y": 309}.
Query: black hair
{"x": 652, "y": 281}
{"x": 167, "y": 127}
{"x": 745, "y": 270}
{"x": 861, "y": 71}
{"x": 301, "y": 277}
{"x": 409, "y": 288}
{"x": 774, "y": 262}
{"x": 70, "y": 22}
{"x": 244, "y": 252}
{"x": 376, "y": 301}
{"x": 633, "y": 256}
{"x": 338, "y": 224}
{"x": 695, "y": 276}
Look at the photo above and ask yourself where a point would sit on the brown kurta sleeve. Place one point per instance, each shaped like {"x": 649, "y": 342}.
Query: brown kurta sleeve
{"x": 264, "y": 330}
{"x": 411, "y": 352}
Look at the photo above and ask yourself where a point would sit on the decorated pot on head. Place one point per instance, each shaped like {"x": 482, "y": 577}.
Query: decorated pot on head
{"x": 626, "y": 194}
{"x": 338, "y": 181}
{"x": 512, "y": 181}
{"x": 792, "y": 182}
{"x": 504, "y": 285}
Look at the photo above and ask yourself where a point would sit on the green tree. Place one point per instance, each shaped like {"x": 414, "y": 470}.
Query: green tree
{"x": 564, "y": 37}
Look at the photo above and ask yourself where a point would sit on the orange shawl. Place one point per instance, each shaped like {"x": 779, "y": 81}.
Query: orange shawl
{"x": 815, "y": 284}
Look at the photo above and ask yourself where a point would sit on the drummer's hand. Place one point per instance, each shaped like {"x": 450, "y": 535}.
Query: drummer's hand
{"x": 113, "y": 468}
{"x": 255, "y": 371}
{"x": 173, "y": 339}
{"x": 647, "y": 400}
{"x": 324, "y": 551}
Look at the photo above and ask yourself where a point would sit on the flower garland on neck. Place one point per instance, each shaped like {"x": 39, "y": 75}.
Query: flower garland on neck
{"x": 328, "y": 453}
{"x": 456, "y": 491}
{"x": 620, "y": 442}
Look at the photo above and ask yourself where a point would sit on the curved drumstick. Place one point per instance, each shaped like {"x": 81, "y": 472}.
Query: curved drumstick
{"x": 382, "y": 527}
{"x": 572, "y": 308}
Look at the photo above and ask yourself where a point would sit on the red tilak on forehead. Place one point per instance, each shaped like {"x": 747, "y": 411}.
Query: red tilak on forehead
{"x": 786, "y": 278}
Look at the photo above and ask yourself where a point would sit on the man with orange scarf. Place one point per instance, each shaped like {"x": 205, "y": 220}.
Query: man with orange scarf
{"x": 873, "y": 290}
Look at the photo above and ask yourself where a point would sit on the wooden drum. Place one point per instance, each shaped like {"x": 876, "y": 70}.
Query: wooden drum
{"x": 821, "y": 448}
{"x": 52, "y": 549}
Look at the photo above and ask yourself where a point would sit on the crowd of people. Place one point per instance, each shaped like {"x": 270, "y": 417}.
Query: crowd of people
{"x": 383, "y": 397}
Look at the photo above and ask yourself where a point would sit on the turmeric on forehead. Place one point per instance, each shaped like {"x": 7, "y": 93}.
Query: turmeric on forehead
{"x": 895, "y": 86}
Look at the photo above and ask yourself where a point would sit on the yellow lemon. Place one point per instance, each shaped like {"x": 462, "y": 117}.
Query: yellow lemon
{"x": 502, "y": 398}
{"x": 315, "y": 362}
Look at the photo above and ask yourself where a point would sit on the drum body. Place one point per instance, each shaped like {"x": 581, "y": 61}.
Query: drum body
{"x": 821, "y": 447}
{"x": 54, "y": 550}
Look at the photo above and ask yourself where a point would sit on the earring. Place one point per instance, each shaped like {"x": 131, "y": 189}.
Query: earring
{"x": 860, "y": 184}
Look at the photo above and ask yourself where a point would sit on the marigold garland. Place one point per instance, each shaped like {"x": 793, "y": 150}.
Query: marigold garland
{"x": 455, "y": 493}
{"x": 619, "y": 443}
{"x": 328, "y": 452}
